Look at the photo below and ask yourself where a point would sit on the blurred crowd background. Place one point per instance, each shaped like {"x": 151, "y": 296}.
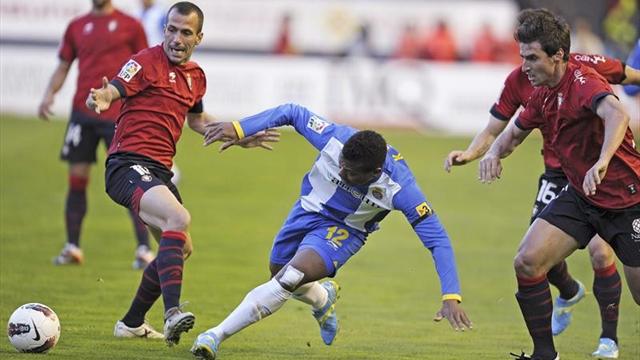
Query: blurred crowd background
{"x": 430, "y": 64}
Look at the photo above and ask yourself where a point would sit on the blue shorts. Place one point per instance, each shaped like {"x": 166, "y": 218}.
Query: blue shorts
{"x": 333, "y": 241}
{"x": 128, "y": 176}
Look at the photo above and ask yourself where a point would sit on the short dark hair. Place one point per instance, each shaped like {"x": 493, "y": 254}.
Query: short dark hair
{"x": 186, "y": 8}
{"x": 550, "y": 30}
{"x": 367, "y": 148}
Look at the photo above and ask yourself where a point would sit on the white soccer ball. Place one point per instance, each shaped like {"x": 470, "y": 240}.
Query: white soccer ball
{"x": 33, "y": 328}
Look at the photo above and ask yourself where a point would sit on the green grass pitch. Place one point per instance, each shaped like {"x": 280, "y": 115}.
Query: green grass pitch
{"x": 238, "y": 200}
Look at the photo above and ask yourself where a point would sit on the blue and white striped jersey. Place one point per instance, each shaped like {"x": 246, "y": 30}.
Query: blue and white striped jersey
{"x": 360, "y": 208}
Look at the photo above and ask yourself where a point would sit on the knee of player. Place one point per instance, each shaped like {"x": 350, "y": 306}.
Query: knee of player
{"x": 601, "y": 259}
{"x": 526, "y": 264}
{"x": 291, "y": 278}
{"x": 180, "y": 220}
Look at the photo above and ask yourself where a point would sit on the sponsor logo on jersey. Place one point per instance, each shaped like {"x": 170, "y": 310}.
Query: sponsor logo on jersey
{"x": 423, "y": 209}
{"x": 580, "y": 77}
{"x": 354, "y": 192}
{"x": 129, "y": 70}
{"x": 317, "y": 124}
{"x": 632, "y": 189}
{"x": 594, "y": 59}
{"x": 397, "y": 157}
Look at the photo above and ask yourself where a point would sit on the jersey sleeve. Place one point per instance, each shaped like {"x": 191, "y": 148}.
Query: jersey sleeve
{"x": 610, "y": 68}
{"x": 413, "y": 204}
{"x": 530, "y": 117}
{"x": 314, "y": 128}
{"x": 67, "y": 51}
{"x": 509, "y": 100}
{"x": 591, "y": 91}
{"x": 135, "y": 75}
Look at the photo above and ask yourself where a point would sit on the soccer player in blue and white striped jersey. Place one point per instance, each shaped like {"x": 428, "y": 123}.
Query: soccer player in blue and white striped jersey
{"x": 356, "y": 180}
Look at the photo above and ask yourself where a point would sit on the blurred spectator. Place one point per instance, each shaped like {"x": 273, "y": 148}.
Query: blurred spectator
{"x": 584, "y": 40}
{"x": 440, "y": 45}
{"x": 283, "y": 44}
{"x": 361, "y": 44}
{"x": 620, "y": 27}
{"x": 408, "y": 45}
{"x": 151, "y": 15}
{"x": 485, "y": 45}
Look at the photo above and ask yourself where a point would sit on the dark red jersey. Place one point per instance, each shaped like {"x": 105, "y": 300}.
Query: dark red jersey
{"x": 101, "y": 43}
{"x": 157, "y": 96}
{"x": 576, "y": 135}
{"x": 517, "y": 90}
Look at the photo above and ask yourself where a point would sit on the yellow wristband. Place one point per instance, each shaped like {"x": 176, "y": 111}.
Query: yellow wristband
{"x": 238, "y": 128}
{"x": 452, "y": 297}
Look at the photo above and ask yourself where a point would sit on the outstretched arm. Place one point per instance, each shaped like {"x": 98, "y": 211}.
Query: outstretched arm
{"x": 616, "y": 122}
{"x": 478, "y": 147}
{"x": 490, "y": 166}
{"x": 55, "y": 83}
{"x": 101, "y": 99}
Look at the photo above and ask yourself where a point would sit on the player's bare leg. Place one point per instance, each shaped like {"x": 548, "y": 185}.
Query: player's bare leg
{"x": 543, "y": 246}
{"x": 632, "y": 273}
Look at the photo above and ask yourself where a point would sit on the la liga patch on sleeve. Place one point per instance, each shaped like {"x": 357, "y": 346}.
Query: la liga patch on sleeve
{"x": 316, "y": 124}
{"x": 129, "y": 70}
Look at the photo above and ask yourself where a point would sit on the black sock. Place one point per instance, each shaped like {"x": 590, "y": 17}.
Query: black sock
{"x": 607, "y": 289}
{"x": 75, "y": 208}
{"x": 534, "y": 298}
{"x": 148, "y": 293}
{"x": 559, "y": 277}
{"x": 170, "y": 265}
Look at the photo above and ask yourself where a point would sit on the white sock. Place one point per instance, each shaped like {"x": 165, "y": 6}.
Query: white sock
{"x": 313, "y": 294}
{"x": 260, "y": 302}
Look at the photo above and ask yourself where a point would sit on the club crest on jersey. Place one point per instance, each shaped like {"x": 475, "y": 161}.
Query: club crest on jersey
{"x": 423, "y": 209}
{"x": 172, "y": 77}
{"x": 88, "y": 27}
{"x": 113, "y": 25}
{"x": 129, "y": 70}
{"x": 560, "y": 99}
{"x": 377, "y": 193}
{"x": 189, "y": 82}
{"x": 317, "y": 124}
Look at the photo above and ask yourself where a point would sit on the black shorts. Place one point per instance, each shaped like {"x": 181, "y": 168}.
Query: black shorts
{"x": 572, "y": 214}
{"x": 550, "y": 183}
{"x": 83, "y": 136}
{"x": 129, "y": 175}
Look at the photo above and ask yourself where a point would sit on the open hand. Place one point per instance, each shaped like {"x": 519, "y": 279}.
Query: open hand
{"x": 259, "y": 139}
{"x": 100, "y": 99}
{"x": 452, "y": 311}
{"x": 455, "y": 158}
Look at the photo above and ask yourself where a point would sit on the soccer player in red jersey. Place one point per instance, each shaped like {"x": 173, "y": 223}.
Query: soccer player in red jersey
{"x": 516, "y": 93}
{"x": 102, "y": 41}
{"x": 589, "y": 131}
{"x": 161, "y": 88}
